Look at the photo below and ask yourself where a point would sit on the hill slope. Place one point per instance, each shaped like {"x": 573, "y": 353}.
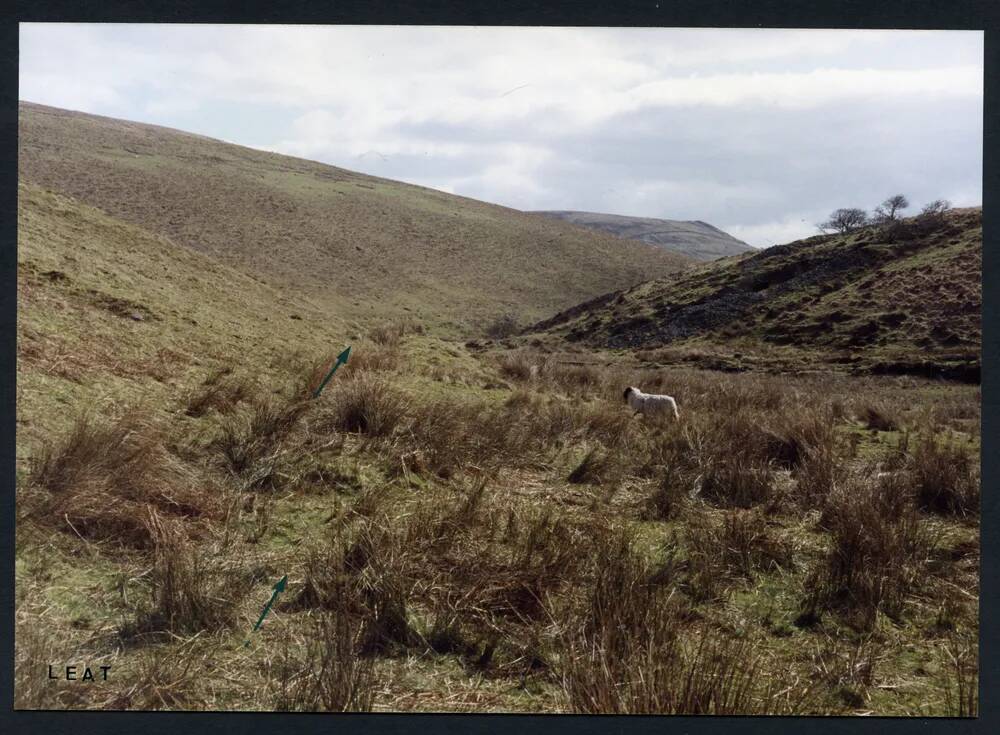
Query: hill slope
{"x": 698, "y": 240}
{"x": 909, "y": 303}
{"x": 149, "y": 537}
{"x": 364, "y": 245}
{"x": 110, "y": 314}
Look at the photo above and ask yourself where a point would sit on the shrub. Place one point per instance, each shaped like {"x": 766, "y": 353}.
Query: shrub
{"x": 502, "y": 327}
{"x": 935, "y": 209}
{"x": 845, "y": 220}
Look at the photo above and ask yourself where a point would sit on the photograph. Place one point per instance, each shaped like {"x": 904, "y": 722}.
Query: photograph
{"x": 550, "y": 370}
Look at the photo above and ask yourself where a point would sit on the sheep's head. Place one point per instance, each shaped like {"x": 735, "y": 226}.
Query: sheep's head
{"x": 627, "y": 393}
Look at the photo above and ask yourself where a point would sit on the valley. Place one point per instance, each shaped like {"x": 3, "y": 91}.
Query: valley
{"x": 469, "y": 517}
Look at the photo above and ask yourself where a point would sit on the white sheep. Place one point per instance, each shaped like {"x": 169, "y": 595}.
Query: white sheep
{"x": 650, "y": 404}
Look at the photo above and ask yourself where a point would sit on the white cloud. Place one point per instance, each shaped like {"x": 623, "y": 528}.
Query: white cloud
{"x": 806, "y": 89}
{"x": 689, "y": 198}
{"x": 793, "y": 227}
{"x": 512, "y": 175}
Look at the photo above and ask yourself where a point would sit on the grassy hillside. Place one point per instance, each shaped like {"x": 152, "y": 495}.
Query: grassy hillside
{"x": 462, "y": 529}
{"x": 905, "y": 301}
{"x": 364, "y": 246}
{"x": 698, "y": 240}
{"x": 110, "y": 314}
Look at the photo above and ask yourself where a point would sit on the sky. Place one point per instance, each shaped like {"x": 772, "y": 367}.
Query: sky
{"x": 761, "y": 133}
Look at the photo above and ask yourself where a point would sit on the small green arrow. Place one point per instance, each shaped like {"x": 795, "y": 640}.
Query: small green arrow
{"x": 341, "y": 359}
{"x": 278, "y": 589}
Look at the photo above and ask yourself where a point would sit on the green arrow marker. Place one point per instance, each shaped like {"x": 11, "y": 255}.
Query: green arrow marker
{"x": 341, "y": 359}
{"x": 278, "y": 588}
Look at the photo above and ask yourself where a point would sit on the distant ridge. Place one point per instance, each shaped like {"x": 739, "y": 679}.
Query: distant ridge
{"x": 696, "y": 239}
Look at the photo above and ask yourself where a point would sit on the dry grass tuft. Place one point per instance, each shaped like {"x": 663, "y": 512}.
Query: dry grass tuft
{"x": 592, "y": 468}
{"x": 821, "y": 471}
{"x": 722, "y": 549}
{"x": 629, "y": 652}
{"x": 371, "y": 358}
{"x": 100, "y": 480}
{"x": 879, "y": 416}
{"x": 451, "y": 435}
{"x": 736, "y": 480}
{"x": 748, "y": 546}
{"x": 334, "y": 676}
{"x": 189, "y": 596}
{"x": 879, "y": 551}
{"x": 574, "y": 378}
{"x": 220, "y": 391}
{"x": 253, "y": 443}
{"x": 669, "y": 497}
{"x": 165, "y": 680}
{"x": 945, "y": 476}
{"x": 960, "y": 670}
{"x": 521, "y": 365}
{"x": 847, "y": 669}
{"x": 391, "y": 333}
{"x": 365, "y": 404}
{"x": 35, "y": 648}
{"x": 376, "y": 561}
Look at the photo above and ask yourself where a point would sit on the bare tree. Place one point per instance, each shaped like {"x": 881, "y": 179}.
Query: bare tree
{"x": 845, "y": 220}
{"x": 935, "y": 208}
{"x": 931, "y": 217}
{"x": 887, "y": 210}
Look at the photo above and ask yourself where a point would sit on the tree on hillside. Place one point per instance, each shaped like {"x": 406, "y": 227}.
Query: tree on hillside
{"x": 887, "y": 210}
{"x": 935, "y": 208}
{"x": 931, "y": 217}
{"x": 845, "y": 220}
